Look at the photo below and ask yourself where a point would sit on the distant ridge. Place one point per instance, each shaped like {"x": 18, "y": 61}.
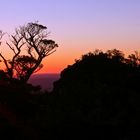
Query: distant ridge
{"x": 44, "y": 80}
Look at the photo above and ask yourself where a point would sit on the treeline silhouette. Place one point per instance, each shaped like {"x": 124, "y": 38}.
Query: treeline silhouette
{"x": 97, "y": 97}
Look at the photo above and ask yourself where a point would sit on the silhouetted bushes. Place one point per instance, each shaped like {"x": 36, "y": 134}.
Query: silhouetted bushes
{"x": 20, "y": 105}
{"x": 98, "y": 97}
{"x": 99, "y": 90}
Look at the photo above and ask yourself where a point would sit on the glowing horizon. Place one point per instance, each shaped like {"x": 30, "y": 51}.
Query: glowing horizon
{"x": 78, "y": 26}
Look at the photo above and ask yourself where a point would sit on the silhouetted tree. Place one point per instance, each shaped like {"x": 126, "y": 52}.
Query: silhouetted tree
{"x": 101, "y": 89}
{"x": 30, "y": 46}
{"x": 134, "y": 59}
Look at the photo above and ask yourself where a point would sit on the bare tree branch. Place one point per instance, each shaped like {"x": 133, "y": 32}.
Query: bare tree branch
{"x": 33, "y": 38}
{"x": 12, "y": 48}
{"x": 5, "y": 61}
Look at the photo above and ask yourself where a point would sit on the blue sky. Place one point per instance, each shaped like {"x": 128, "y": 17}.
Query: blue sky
{"x": 79, "y": 26}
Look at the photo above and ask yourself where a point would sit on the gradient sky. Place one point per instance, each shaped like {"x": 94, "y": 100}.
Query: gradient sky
{"x": 78, "y": 26}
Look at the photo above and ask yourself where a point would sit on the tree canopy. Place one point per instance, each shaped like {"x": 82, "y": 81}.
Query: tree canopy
{"x": 101, "y": 88}
{"x": 29, "y": 46}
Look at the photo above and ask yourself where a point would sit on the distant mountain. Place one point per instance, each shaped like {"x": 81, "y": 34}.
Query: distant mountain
{"x": 44, "y": 80}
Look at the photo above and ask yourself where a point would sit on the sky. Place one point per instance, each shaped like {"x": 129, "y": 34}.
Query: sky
{"x": 78, "y": 26}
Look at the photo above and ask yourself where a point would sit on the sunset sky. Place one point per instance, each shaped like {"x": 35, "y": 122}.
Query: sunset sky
{"x": 78, "y": 26}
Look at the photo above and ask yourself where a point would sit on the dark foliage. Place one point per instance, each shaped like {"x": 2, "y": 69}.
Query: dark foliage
{"x": 19, "y": 107}
{"x": 98, "y": 91}
{"x": 96, "y": 98}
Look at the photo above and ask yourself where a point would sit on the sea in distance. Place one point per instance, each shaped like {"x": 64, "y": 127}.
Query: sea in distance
{"x": 44, "y": 80}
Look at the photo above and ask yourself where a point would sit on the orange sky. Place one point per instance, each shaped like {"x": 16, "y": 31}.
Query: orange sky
{"x": 68, "y": 51}
{"x": 78, "y": 26}
{"x": 62, "y": 57}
